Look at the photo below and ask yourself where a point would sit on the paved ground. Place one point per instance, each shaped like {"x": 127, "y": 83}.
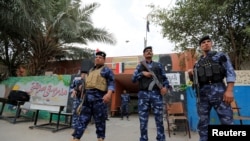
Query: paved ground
{"x": 117, "y": 130}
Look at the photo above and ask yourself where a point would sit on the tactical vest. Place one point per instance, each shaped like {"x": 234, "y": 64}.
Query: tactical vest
{"x": 94, "y": 80}
{"x": 145, "y": 81}
{"x": 210, "y": 71}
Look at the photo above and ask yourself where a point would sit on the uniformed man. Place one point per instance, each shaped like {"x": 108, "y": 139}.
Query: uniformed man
{"x": 212, "y": 67}
{"x": 99, "y": 88}
{"x": 150, "y": 95}
{"x": 125, "y": 99}
{"x": 76, "y": 94}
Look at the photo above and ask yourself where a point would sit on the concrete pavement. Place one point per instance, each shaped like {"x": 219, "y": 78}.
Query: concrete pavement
{"x": 117, "y": 130}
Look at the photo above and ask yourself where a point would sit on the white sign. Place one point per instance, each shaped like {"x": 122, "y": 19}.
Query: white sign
{"x": 173, "y": 78}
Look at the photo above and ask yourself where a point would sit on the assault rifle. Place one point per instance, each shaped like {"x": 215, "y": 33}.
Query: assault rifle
{"x": 157, "y": 82}
{"x": 196, "y": 85}
{"x": 87, "y": 64}
{"x": 79, "y": 108}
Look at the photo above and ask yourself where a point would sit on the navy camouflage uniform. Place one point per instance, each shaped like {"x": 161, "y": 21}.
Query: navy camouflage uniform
{"x": 94, "y": 106}
{"x": 76, "y": 100}
{"x": 148, "y": 99}
{"x": 211, "y": 95}
{"x": 125, "y": 99}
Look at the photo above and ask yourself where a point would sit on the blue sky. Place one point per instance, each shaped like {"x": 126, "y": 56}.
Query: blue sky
{"x": 126, "y": 19}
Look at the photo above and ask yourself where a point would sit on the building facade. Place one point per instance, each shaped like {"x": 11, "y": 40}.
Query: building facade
{"x": 123, "y": 68}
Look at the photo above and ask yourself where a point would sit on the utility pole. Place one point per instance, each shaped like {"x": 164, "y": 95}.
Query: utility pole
{"x": 147, "y": 30}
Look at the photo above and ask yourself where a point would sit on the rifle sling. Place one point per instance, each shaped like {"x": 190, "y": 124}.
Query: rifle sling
{"x": 155, "y": 81}
{"x": 151, "y": 85}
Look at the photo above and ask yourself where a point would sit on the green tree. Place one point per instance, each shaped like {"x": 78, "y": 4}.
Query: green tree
{"x": 48, "y": 28}
{"x": 227, "y": 21}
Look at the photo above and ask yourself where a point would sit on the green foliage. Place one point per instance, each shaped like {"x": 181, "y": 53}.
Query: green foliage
{"x": 226, "y": 21}
{"x": 34, "y": 32}
{"x": 184, "y": 87}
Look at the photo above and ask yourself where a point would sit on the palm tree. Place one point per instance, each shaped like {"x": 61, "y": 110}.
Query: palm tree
{"x": 55, "y": 25}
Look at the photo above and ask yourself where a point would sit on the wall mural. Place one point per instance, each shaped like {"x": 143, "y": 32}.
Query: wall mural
{"x": 50, "y": 90}
{"x": 166, "y": 61}
{"x": 132, "y": 61}
{"x": 177, "y": 92}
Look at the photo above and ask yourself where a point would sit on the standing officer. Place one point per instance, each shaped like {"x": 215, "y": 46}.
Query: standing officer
{"x": 125, "y": 99}
{"x": 150, "y": 95}
{"x": 76, "y": 95}
{"x": 76, "y": 89}
{"x": 211, "y": 69}
{"x": 99, "y": 88}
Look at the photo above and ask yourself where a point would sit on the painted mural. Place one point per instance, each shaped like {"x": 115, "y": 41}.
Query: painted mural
{"x": 49, "y": 90}
{"x": 166, "y": 61}
{"x": 177, "y": 91}
{"x": 132, "y": 61}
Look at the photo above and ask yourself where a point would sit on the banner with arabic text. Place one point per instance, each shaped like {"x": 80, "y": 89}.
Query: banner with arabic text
{"x": 48, "y": 90}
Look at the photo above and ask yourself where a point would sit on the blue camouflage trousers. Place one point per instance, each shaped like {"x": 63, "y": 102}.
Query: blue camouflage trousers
{"x": 211, "y": 96}
{"x": 75, "y": 104}
{"x": 124, "y": 110}
{"x": 146, "y": 101}
{"x": 92, "y": 107}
